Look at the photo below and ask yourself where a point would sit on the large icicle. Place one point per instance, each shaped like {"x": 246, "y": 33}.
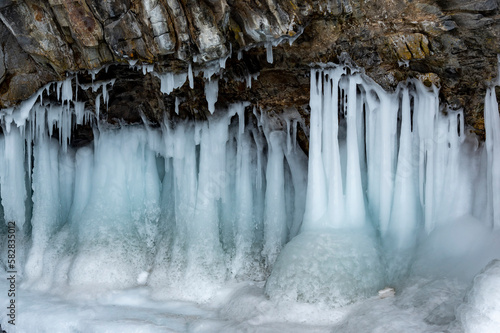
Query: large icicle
{"x": 355, "y": 205}
{"x": 275, "y": 232}
{"x": 336, "y": 199}
{"x": 426, "y": 106}
{"x": 48, "y": 213}
{"x": 492, "y": 127}
{"x": 316, "y": 199}
{"x": 13, "y": 176}
{"x": 405, "y": 214}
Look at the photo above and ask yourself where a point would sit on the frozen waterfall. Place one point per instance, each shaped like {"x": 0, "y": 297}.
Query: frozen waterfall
{"x": 190, "y": 204}
{"x": 392, "y": 180}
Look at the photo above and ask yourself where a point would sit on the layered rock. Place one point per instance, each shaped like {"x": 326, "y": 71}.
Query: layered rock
{"x": 453, "y": 44}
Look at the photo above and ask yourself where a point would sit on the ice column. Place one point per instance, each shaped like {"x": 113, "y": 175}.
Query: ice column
{"x": 316, "y": 199}
{"x": 275, "y": 231}
{"x": 405, "y": 212}
{"x": 13, "y": 176}
{"x": 492, "y": 127}
{"x": 49, "y": 213}
{"x": 355, "y": 206}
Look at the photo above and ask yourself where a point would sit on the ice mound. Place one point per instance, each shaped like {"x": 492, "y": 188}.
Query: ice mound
{"x": 480, "y": 312}
{"x": 334, "y": 267}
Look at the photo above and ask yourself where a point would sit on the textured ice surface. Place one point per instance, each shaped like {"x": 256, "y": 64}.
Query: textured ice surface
{"x": 398, "y": 194}
{"x": 336, "y": 268}
{"x": 423, "y": 305}
{"x": 480, "y": 312}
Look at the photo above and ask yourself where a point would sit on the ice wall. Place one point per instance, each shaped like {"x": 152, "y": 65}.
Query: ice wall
{"x": 398, "y": 161}
{"x": 385, "y": 171}
{"x": 182, "y": 208}
{"x": 186, "y": 206}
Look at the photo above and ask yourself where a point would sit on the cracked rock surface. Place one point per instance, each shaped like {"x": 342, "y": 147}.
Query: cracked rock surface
{"x": 451, "y": 43}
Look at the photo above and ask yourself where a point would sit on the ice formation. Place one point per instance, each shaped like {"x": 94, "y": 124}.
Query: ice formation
{"x": 480, "y": 312}
{"x": 328, "y": 267}
{"x": 202, "y": 200}
{"x": 392, "y": 181}
{"x": 384, "y": 159}
{"x": 391, "y": 167}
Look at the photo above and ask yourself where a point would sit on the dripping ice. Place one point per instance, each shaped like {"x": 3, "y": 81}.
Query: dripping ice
{"x": 161, "y": 203}
{"x": 187, "y": 207}
{"x": 389, "y": 176}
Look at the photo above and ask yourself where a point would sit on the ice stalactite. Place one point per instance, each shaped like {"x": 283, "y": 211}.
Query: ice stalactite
{"x": 12, "y": 176}
{"x": 378, "y": 156}
{"x": 275, "y": 224}
{"x": 385, "y": 169}
{"x": 188, "y": 205}
{"x": 405, "y": 212}
{"x": 492, "y": 126}
{"x": 181, "y": 208}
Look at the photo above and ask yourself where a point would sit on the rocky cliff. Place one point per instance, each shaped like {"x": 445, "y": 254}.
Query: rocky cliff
{"x": 451, "y": 43}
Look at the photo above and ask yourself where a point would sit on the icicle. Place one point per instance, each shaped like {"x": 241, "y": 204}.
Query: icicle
{"x": 275, "y": 232}
{"x": 294, "y": 135}
{"x": 22, "y": 111}
{"x": 147, "y": 69}
{"x": 97, "y": 105}
{"x": 190, "y": 76}
{"x": 405, "y": 211}
{"x": 132, "y": 62}
{"x": 426, "y": 109}
{"x": 336, "y": 200}
{"x": 46, "y": 201}
{"x": 211, "y": 93}
{"x": 355, "y": 206}
{"x": 12, "y": 177}
{"x": 177, "y": 102}
{"x": 240, "y": 111}
{"x": 222, "y": 62}
{"x": 259, "y": 178}
{"x": 94, "y": 72}
{"x": 79, "y": 112}
{"x": 461, "y": 124}
{"x": 170, "y": 81}
{"x": 269, "y": 52}
{"x": 316, "y": 199}
{"x": 492, "y": 127}
{"x": 58, "y": 90}
{"x": 244, "y": 201}
{"x": 288, "y": 136}
{"x": 105, "y": 93}
{"x": 67, "y": 90}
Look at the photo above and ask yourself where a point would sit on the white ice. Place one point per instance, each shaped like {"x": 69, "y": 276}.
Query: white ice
{"x": 218, "y": 225}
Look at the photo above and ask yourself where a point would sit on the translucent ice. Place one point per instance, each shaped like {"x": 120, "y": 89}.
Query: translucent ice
{"x": 331, "y": 267}
{"x": 480, "y": 312}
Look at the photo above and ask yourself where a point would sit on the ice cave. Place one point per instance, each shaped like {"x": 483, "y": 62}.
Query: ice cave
{"x": 386, "y": 221}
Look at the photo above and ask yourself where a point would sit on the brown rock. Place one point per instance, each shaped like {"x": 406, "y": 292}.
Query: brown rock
{"x": 454, "y": 43}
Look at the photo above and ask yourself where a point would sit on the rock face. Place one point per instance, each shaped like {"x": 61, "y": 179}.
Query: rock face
{"x": 452, "y": 43}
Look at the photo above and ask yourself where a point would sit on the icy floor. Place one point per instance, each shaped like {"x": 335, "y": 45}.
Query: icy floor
{"x": 422, "y": 306}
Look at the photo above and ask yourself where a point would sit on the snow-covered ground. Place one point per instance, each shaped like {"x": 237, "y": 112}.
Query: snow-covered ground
{"x": 422, "y": 306}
